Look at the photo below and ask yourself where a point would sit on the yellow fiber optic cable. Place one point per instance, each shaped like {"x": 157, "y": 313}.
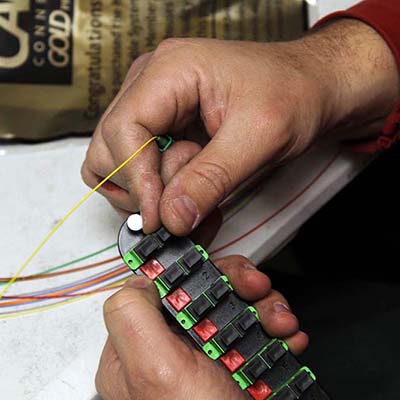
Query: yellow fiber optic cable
{"x": 69, "y": 213}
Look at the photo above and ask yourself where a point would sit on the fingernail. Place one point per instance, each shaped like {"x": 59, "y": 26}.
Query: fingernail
{"x": 250, "y": 267}
{"x": 138, "y": 283}
{"x": 187, "y": 210}
{"x": 280, "y": 307}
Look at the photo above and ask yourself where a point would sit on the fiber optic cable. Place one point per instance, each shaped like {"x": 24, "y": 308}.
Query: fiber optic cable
{"x": 33, "y": 311}
{"x": 44, "y": 275}
{"x": 71, "y": 288}
{"x": 69, "y": 213}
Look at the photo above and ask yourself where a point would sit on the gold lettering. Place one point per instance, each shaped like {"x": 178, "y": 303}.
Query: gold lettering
{"x": 10, "y": 25}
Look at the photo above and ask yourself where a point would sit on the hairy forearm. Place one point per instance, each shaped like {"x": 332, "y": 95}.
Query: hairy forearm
{"x": 361, "y": 75}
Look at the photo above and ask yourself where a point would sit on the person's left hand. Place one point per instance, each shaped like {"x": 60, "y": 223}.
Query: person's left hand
{"x": 144, "y": 359}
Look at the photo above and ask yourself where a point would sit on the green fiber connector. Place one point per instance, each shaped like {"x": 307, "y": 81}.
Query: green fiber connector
{"x": 243, "y": 381}
{"x": 185, "y": 319}
{"x": 309, "y": 372}
{"x": 203, "y": 252}
{"x": 226, "y": 280}
{"x": 212, "y": 349}
{"x": 132, "y": 260}
{"x": 284, "y": 344}
{"x": 254, "y": 311}
{"x": 164, "y": 143}
{"x": 162, "y": 288}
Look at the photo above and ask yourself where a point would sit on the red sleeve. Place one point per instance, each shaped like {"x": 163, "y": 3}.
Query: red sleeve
{"x": 384, "y": 17}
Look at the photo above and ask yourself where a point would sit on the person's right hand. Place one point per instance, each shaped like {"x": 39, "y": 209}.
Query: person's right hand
{"x": 259, "y": 103}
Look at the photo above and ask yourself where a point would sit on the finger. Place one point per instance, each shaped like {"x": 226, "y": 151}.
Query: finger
{"x": 116, "y": 195}
{"x": 138, "y": 331}
{"x": 240, "y": 147}
{"x": 276, "y": 316}
{"x": 159, "y": 100}
{"x": 249, "y": 283}
{"x": 141, "y": 175}
{"x": 119, "y": 197}
{"x": 99, "y": 155}
{"x": 297, "y": 343}
{"x": 99, "y": 162}
{"x": 176, "y": 157}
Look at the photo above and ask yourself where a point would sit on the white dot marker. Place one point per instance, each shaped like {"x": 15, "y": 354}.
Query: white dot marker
{"x": 135, "y": 222}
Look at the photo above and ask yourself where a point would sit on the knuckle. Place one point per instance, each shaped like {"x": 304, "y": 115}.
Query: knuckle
{"x": 136, "y": 68}
{"x": 277, "y": 122}
{"x": 85, "y": 173}
{"x": 139, "y": 60}
{"x": 274, "y": 119}
{"x": 214, "y": 178}
{"x": 118, "y": 302}
{"x": 241, "y": 260}
{"x": 99, "y": 382}
{"x": 186, "y": 50}
{"x": 153, "y": 378}
{"x": 110, "y": 126}
{"x": 169, "y": 44}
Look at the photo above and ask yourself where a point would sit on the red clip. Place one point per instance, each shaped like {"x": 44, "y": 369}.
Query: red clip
{"x": 152, "y": 268}
{"x": 232, "y": 360}
{"x": 205, "y": 329}
{"x": 179, "y": 299}
{"x": 260, "y": 390}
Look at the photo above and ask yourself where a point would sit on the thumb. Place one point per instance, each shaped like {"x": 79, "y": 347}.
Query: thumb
{"x": 244, "y": 142}
{"x": 137, "y": 328}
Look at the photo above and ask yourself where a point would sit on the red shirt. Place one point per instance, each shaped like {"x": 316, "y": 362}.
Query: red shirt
{"x": 384, "y": 17}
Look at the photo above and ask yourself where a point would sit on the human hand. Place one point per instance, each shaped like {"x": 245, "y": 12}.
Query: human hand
{"x": 144, "y": 359}
{"x": 259, "y": 103}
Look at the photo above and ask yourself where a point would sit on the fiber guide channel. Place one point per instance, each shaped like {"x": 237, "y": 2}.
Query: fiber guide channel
{"x": 219, "y": 322}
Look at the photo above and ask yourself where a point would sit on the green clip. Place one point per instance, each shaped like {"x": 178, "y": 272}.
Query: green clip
{"x": 185, "y": 319}
{"x": 254, "y": 311}
{"x": 202, "y": 252}
{"x": 243, "y": 381}
{"x": 285, "y": 346}
{"x": 162, "y": 287}
{"x": 132, "y": 260}
{"x": 212, "y": 349}
{"x": 225, "y": 279}
{"x": 309, "y": 372}
{"x": 164, "y": 143}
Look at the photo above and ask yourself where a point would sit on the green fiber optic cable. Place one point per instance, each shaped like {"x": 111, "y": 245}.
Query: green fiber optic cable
{"x": 72, "y": 262}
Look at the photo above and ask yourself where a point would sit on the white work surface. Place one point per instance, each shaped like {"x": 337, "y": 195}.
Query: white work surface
{"x": 319, "y": 8}
{"x": 54, "y": 354}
